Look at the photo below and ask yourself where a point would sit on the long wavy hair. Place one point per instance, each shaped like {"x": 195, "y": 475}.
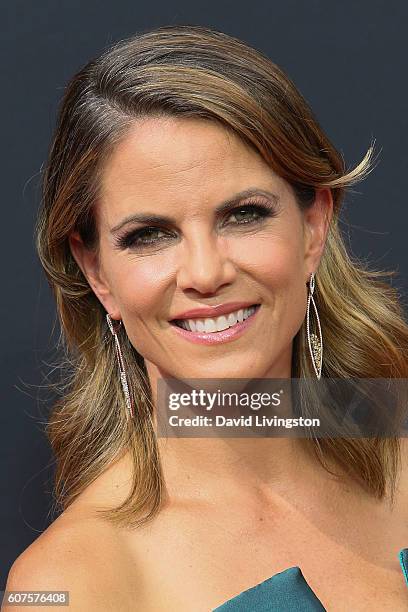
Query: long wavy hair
{"x": 197, "y": 72}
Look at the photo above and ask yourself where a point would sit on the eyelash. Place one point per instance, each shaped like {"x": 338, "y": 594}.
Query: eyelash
{"x": 129, "y": 240}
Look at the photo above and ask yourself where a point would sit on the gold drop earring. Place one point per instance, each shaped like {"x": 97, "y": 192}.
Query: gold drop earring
{"x": 315, "y": 342}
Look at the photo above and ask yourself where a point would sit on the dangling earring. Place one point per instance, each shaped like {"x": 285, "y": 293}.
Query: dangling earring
{"x": 315, "y": 343}
{"x": 122, "y": 370}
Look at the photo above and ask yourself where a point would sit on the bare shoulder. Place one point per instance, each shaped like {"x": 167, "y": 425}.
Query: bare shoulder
{"x": 78, "y": 554}
{"x": 400, "y": 498}
{"x": 403, "y": 474}
{"x": 404, "y": 449}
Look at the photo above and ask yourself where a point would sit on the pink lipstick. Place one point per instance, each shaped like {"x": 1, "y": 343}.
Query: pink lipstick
{"x": 226, "y": 335}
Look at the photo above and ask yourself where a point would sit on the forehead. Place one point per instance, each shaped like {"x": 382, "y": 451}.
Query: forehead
{"x": 169, "y": 162}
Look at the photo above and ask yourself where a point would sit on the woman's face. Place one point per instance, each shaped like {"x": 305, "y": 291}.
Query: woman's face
{"x": 259, "y": 249}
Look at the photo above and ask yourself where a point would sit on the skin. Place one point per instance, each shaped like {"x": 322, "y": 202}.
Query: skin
{"x": 237, "y": 510}
{"x": 184, "y": 169}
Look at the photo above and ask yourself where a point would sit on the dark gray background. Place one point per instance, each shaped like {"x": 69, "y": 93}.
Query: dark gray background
{"x": 348, "y": 59}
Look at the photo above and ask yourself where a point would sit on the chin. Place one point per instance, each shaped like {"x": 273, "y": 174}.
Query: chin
{"x": 246, "y": 370}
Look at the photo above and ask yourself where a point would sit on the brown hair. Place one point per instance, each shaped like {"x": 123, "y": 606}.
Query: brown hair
{"x": 193, "y": 71}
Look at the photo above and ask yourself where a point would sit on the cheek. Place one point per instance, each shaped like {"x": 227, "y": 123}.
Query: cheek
{"x": 275, "y": 260}
{"x": 139, "y": 285}
{"x": 277, "y": 265}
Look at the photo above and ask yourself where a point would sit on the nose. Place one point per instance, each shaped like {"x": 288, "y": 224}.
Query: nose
{"x": 204, "y": 264}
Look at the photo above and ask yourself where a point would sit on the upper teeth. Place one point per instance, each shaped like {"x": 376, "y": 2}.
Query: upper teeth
{"x": 215, "y": 325}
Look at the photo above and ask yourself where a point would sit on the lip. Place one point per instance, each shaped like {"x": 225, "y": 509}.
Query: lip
{"x": 212, "y": 311}
{"x": 227, "y": 335}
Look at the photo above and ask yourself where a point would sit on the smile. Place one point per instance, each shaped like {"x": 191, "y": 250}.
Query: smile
{"x": 208, "y": 330}
{"x": 209, "y": 325}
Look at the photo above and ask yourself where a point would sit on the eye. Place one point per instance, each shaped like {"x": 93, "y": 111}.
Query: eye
{"x": 252, "y": 212}
{"x": 145, "y": 236}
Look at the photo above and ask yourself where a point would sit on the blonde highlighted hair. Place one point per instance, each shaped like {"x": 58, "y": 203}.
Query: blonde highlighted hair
{"x": 196, "y": 72}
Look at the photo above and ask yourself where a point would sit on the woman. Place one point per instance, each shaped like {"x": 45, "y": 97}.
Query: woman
{"x": 188, "y": 180}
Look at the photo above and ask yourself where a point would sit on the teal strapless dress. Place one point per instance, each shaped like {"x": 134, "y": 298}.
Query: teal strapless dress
{"x": 287, "y": 591}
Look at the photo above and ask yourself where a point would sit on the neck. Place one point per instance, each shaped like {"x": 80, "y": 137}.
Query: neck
{"x": 214, "y": 469}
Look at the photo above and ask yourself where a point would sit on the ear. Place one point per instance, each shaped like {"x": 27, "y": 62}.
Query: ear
{"x": 316, "y": 224}
{"x": 88, "y": 261}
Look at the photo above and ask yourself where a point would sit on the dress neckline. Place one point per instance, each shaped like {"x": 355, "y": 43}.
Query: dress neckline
{"x": 287, "y": 590}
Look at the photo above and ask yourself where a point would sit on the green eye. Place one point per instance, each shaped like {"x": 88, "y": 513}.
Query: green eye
{"x": 250, "y": 213}
{"x": 146, "y": 237}
{"x": 244, "y": 211}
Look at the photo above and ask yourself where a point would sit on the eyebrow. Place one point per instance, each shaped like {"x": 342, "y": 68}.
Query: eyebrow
{"x": 223, "y": 207}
